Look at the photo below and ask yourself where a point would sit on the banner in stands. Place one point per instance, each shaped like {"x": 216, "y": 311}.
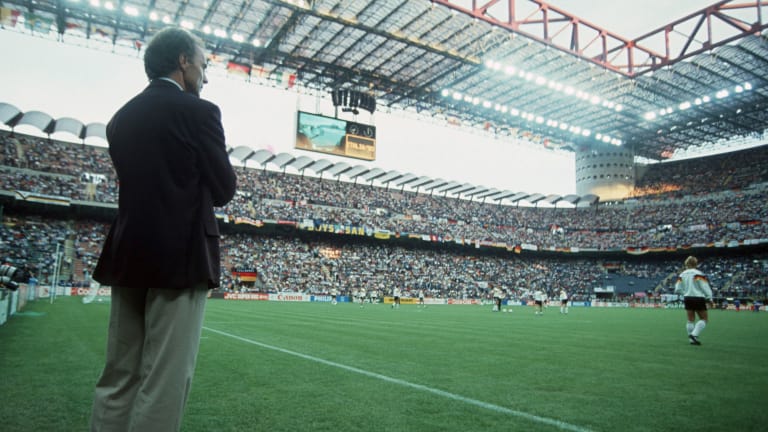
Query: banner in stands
{"x": 42, "y": 198}
{"x": 333, "y": 228}
{"x": 245, "y": 274}
{"x": 240, "y": 220}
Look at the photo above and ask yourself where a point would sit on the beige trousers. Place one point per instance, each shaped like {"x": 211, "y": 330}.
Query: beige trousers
{"x": 152, "y": 345}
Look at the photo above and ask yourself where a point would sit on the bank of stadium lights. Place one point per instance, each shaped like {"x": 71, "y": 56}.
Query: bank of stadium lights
{"x": 722, "y": 94}
{"x": 166, "y": 19}
{"x": 301, "y": 3}
{"x": 514, "y": 112}
{"x": 552, "y": 85}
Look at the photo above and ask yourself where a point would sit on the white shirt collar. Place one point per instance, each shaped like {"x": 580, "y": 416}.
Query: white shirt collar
{"x": 172, "y": 81}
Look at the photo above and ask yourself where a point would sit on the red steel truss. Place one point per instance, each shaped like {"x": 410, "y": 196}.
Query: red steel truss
{"x": 711, "y": 27}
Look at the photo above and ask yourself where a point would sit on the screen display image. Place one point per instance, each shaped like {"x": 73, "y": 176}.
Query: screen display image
{"x": 321, "y": 133}
{"x": 334, "y": 136}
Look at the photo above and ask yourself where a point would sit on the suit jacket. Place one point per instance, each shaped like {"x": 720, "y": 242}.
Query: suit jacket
{"x": 172, "y": 166}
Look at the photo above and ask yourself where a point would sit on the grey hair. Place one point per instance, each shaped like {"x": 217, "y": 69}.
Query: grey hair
{"x": 162, "y": 55}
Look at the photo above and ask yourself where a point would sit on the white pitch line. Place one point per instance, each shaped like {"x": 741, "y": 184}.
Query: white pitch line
{"x": 532, "y": 417}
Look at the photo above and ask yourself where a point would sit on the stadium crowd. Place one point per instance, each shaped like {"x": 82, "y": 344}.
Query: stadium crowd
{"x": 83, "y": 172}
{"x": 685, "y": 217}
{"x": 735, "y": 170}
{"x": 317, "y": 266}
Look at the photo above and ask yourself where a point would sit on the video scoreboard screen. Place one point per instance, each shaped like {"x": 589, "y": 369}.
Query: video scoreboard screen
{"x": 335, "y": 136}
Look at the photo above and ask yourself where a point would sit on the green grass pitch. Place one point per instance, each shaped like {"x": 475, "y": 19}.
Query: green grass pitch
{"x": 267, "y": 366}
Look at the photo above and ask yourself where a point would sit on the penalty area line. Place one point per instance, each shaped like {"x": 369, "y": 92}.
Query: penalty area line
{"x": 448, "y": 395}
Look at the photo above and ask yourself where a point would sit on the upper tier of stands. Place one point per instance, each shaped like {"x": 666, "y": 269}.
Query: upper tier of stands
{"x": 722, "y": 172}
{"x": 688, "y": 217}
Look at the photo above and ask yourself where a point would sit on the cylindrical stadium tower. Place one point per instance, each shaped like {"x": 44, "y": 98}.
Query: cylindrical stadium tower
{"x": 606, "y": 171}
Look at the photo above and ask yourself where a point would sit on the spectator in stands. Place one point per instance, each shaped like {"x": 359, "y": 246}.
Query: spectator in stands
{"x": 694, "y": 286}
{"x": 162, "y": 253}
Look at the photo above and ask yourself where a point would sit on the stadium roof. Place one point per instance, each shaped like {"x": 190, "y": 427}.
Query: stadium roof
{"x": 395, "y": 178}
{"x": 514, "y": 68}
{"x": 13, "y": 117}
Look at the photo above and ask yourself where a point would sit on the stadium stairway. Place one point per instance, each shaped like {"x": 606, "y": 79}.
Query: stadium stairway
{"x": 666, "y": 282}
{"x": 68, "y": 257}
{"x": 732, "y": 280}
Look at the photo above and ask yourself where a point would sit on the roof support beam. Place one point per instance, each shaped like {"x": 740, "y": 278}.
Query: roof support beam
{"x": 628, "y": 57}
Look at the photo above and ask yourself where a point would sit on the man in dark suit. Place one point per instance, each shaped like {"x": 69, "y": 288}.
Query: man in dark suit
{"x": 162, "y": 252}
